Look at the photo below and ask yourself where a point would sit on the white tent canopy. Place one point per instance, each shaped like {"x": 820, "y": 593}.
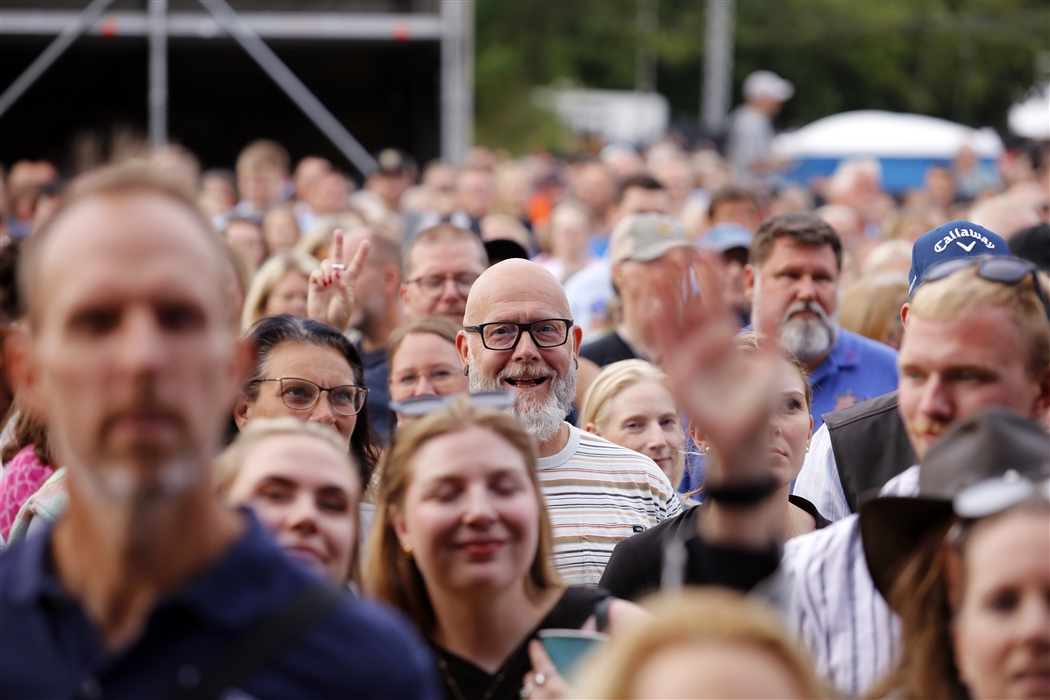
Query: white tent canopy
{"x": 1031, "y": 118}
{"x": 880, "y": 134}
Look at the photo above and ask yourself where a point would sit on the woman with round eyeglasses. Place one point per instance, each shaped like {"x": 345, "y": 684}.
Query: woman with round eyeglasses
{"x": 424, "y": 360}
{"x": 309, "y": 371}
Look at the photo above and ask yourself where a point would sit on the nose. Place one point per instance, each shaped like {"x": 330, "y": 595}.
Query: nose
{"x": 806, "y": 289}
{"x": 142, "y": 344}
{"x": 322, "y": 411}
{"x": 526, "y": 350}
{"x": 655, "y": 438}
{"x": 1033, "y": 624}
{"x": 450, "y": 291}
{"x": 302, "y": 513}
{"x": 423, "y": 386}
{"x": 936, "y": 402}
{"x": 479, "y": 506}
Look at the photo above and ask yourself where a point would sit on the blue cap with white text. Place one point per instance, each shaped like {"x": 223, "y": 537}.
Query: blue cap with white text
{"x": 956, "y": 239}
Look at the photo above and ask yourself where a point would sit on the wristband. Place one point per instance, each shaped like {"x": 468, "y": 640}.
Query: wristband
{"x": 743, "y": 493}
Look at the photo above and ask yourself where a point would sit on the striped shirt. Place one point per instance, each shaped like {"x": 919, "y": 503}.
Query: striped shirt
{"x": 819, "y": 481}
{"x": 850, "y": 631}
{"x": 597, "y": 494}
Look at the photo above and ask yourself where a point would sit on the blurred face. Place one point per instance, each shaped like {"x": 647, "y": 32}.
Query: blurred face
{"x": 288, "y": 295}
{"x": 306, "y": 494}
{"x": 133, "y": 358}
{"x": 794, "y": 296}
{"x": 635, "y": 279}
{"x": 450, "y": 261}
{"x": 470, "y": 513}
{"x": 280, "y": 229}
{"x": 643, "y": 417}
{"x": 569, "y": 235}
{"x": 951, "y": 369}
{"x": 330, "y": 194}
{"x": 727, "y": 671}
{"x": 639, "y": 200}
{"x": 323, "y": 366}
{"x": 735, "y": 292}
{"x": 475, "y": 192}
{"x": 260, "y": 188}
{"x": 249, "y": 239}
{"x": 426, "y": 364}
{"x": 594, "y": 188}
{"x": 740, "y": 211}
{"x": 1001, "y": 635}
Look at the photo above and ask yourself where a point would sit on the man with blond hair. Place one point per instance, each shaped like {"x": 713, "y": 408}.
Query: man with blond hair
{"x": 977, "y": 335}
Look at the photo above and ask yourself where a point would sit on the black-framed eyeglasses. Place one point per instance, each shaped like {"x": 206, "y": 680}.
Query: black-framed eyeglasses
{"x": 504, "y": 335}
{"x": 302, "y": 395}
{"x": 1002, "y": 270}
{"x": 422, "y": 405}
{"x": 434, "y": 285}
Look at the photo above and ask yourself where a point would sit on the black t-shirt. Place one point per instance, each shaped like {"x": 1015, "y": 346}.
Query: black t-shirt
{"x": 576, "y": 606}
{"x": 636, "y": 565}
{"x": 377, "y": 370}
{"x": 607, "y": 350}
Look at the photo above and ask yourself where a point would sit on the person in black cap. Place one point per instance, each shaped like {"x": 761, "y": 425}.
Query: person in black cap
{"x": 1033, "y": 244}
{"x": 396, "y": 173}
{"x": 966, "y": 563}
{"x": 861, "y": 447}
{"x": 977, "y": 335}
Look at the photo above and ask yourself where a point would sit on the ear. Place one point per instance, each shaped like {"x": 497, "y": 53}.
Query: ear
{"x": 1042, "y": 401}
{"x": 591, "y": 428}
{"x": 392, "y": 278}
{"x": 749, "y": 282}
{"x": 577, "y": 338}
{"x": 397, "y": 522}
{"x": 242, "y": 412}
{"x": 24, "y": 371}
{"x": 463, "y": 347}
{"x": 904, "y": 313}
{"x": 403, "y": 295}
{"x": 615, "y": 274}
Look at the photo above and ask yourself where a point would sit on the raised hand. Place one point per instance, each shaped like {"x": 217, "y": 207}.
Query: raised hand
{"x": 330, "y": 298}
{"x": 727, "y": 394}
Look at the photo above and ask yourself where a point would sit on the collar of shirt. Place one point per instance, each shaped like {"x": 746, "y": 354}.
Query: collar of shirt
{"x": 843, "y": 354}
{"x": 217, "y": 594}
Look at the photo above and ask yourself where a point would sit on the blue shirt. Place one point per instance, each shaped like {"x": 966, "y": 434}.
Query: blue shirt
{"x": 49, "y": 648}
{"x": 857, "y": 369}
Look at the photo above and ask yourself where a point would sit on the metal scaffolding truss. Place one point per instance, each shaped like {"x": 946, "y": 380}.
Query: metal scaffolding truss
{"x": 453, "y": 27}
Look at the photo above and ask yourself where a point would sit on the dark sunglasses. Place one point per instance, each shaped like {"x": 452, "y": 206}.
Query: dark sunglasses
{"x": 1001, "y": 270}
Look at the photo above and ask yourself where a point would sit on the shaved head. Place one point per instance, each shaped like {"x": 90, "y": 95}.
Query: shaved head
{"x": 544, "y": 378}
{"x": 514, "y": 282}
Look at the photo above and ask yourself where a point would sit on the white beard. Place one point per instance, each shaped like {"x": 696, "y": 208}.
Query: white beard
{"x": 806, "y": 338}
{"x": 541, "y": 419}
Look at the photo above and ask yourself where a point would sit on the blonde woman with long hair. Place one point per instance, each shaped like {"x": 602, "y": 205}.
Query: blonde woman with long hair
{"x": 462, "y": 544}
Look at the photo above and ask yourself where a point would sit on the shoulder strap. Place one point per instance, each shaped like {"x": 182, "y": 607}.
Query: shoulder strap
{"x": 257, "y": 645}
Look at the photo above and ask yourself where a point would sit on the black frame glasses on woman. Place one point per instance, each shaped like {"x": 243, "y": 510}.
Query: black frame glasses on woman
{"x": 1002, "y": 270}
{"x": 504, "y": 335}
{"x": 349, "y": 406}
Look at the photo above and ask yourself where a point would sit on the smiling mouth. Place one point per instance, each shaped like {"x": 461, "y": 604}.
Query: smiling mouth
{"x": 481, "y": 547}
{"x": 525, "y": 382}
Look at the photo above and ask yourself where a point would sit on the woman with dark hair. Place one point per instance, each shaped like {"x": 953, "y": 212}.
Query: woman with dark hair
{"x": 310, "y": 371}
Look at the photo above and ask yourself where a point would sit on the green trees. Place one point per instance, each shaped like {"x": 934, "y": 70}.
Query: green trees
{"x": 964, "y": 60}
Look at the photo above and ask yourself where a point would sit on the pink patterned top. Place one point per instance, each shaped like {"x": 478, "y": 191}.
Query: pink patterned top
{"x": 22, "y": 477}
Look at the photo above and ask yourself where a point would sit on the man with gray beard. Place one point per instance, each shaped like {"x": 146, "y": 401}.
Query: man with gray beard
{"x": 518, "y": 337}
{"x": 792, "y": 282}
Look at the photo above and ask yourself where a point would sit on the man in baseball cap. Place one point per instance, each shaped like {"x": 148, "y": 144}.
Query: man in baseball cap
{"x": 733, "y": 243}
{"x": 636, "y": 241}
{"x": 751, "y": 127}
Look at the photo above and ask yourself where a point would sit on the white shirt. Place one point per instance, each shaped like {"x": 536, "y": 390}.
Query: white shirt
{"x": 842, "y": 618}
{"x": 819, "y": 481}
{"x": 589, "y": 292}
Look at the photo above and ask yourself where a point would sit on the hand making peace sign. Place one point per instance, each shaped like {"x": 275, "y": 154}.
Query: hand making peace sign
{"x": 330, "y": 298}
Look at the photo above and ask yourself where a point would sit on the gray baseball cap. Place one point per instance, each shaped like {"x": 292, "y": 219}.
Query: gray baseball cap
{"x": 645, "y": 237}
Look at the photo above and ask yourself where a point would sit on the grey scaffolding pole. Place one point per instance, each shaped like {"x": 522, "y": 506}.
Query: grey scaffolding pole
{"x": 292, "y": 86}
{"x": 718, "y": 64}
{"x": 55, "y": 49}
{"x": 457, "y": 79}
{"x": 158, "y": 73}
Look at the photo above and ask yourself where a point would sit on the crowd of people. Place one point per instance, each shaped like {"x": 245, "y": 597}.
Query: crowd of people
{"x": 272, "y": 432}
